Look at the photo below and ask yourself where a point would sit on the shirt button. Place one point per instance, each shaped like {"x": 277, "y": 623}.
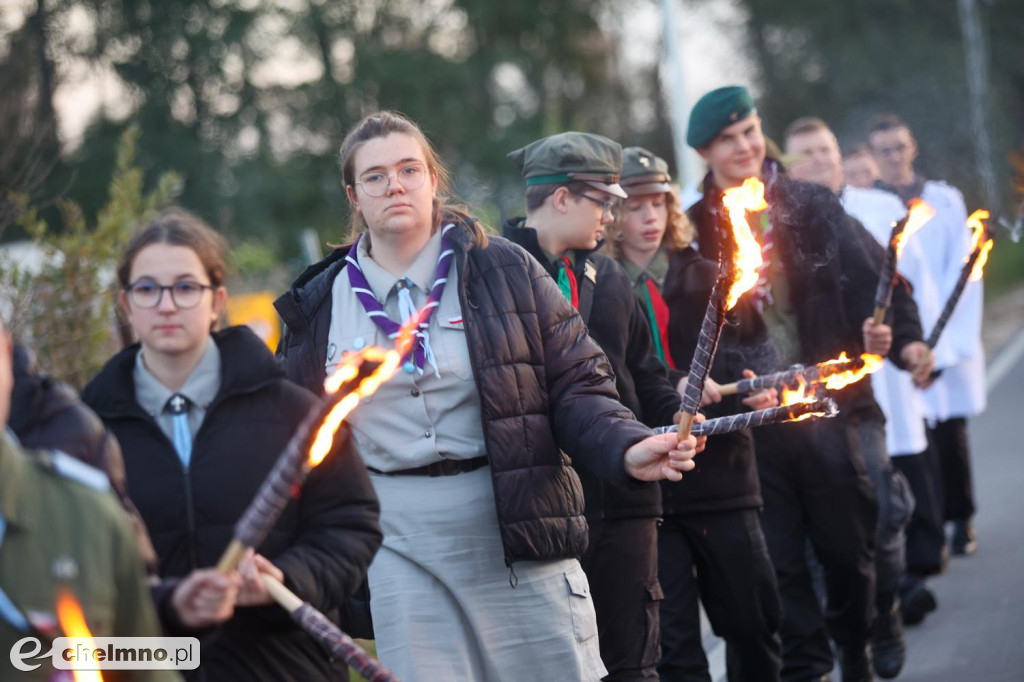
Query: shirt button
{"x": 427, "y": 434}
{"x": 415, "y": 393}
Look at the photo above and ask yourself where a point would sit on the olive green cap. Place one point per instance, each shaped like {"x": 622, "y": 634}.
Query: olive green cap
{"x": 572, "y": 157}
{"x": 644, "y": 173}
{"x": 716, "y": 111}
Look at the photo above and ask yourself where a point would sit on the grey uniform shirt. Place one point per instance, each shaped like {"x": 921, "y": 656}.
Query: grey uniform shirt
{"x": 413, "y": 419}
{"x": 201, "y": 388}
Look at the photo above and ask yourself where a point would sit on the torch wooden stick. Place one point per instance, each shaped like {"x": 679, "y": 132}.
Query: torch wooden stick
{"x": 825, "y": 407}
{"x": 327, "y": 633}
{"x": 704, "y": 353}
{"x": 289, "y": 471}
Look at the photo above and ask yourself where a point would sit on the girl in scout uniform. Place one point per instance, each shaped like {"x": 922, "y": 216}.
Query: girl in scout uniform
{"x": 478, "y": 577}
{"x": 201, "y": 417}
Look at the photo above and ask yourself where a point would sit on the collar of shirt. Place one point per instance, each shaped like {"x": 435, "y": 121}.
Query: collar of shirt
{"x": 421, "y": 272}
{"x": 14, "y": 498}
{"x": 657, "y": 269}
{"x": 201, "y": 386}
{"x": 553, "y": 259}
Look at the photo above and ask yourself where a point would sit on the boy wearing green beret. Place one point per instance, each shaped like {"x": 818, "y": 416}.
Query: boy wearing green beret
{"x": 815, "y": 298}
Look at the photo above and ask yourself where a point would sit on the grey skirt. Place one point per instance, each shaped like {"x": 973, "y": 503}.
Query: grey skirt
{"x": 442, "y": 603}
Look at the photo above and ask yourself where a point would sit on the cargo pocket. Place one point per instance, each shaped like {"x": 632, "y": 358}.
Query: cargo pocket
{"x": 652, "y": 637}
{"x": 581, "y": 606}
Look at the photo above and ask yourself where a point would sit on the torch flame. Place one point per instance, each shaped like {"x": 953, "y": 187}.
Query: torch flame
{"x": 72, "y": 623}
{"x": 872, "y": 363}
{"x": 920, "y": 213}
{"x": 979, "y": 240}
{"x": 737, "y": 201}
{"x": 791, "y": 396}
{"x": 798, "y": 396}
{"x": 348, "y": 370}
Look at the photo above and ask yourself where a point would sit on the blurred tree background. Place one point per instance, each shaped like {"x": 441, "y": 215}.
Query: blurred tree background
{"x": 248, "y": 99}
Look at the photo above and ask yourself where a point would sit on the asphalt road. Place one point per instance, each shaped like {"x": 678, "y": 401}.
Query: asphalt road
{"x": 977, "y": 633}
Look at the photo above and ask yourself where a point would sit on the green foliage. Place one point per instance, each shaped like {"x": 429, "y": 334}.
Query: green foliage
{"x": 257, "y": 146}
{"x": 64, "y": 309}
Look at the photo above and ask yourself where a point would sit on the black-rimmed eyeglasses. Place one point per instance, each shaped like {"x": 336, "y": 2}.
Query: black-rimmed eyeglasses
{"x": 186, "y": 294}
{"x": 609, "y": 208}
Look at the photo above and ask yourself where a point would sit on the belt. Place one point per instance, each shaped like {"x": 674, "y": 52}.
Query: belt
{"x": 446, "y": 467}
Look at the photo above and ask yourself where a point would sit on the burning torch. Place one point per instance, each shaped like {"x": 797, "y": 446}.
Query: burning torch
{"x": 359, "y": 375}
{"x": 835, "y": 374}
{"x": 974, "y": 265}
{"x": 919, "y": 214}
{"x": 734, "y": 280}
{"x": 796, "y": 406}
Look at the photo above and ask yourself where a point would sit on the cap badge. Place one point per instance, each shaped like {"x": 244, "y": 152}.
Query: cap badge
{"x": 645, "y": 162}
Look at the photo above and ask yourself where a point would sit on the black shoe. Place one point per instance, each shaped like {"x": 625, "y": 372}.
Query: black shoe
{"x": 855, "y": 664}
{"x": 964, "y": 541}
{"x": 916, "y": 602}
{"x": 888, "y": 648}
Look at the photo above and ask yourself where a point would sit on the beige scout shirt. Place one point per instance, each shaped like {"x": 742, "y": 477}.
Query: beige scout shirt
{"x": 413, "y": 419}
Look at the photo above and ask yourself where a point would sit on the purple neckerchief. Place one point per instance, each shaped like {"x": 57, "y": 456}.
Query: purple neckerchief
{"x": 421, "y": 344}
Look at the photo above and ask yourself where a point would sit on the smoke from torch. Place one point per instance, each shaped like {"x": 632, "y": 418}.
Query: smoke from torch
{"x": 740, "y": 276}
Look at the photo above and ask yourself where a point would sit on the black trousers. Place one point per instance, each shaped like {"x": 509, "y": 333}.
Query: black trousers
{"x": 814, "y": 485}
{"x": 720, "y": 558}
{"x": 925, "y": 537}
{"x": 950, "y": 441}
{"x": 621, "y": 564}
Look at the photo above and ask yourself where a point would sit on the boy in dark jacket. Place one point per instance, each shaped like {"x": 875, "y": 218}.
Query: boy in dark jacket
{"x": 815, "y": 297}
{"x": 571, "y": 192}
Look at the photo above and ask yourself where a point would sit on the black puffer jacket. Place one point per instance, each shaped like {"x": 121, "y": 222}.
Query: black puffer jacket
{"x": 618, "y": 324}
{"x": 323, "y": 541}
{"x": 543, "y": 382}
{"x": 830, "y": 272}
{"x": 725, "y": 477}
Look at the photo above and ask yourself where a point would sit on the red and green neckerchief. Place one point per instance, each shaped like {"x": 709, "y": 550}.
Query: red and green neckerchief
{"x": 567, "y": 281}
{"x": 657, "y": 313}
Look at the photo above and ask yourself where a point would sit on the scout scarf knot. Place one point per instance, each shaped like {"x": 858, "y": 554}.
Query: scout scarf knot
{"x": 420, "y": 350}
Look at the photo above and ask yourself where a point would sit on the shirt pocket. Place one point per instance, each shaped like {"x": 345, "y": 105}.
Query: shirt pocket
{"x": 345, "y": 346}
{"x": 581, "y": 606}
{"x": 451, "y": 341}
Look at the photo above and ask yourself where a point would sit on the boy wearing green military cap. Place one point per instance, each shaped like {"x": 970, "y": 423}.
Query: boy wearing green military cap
{"x": 572, "y": 192}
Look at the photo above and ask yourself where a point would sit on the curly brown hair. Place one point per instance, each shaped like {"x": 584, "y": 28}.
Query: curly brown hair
{"x": 679, "y": 231}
